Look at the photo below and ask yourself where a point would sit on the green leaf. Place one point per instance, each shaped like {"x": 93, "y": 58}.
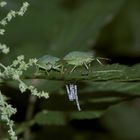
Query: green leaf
{"x": 59, "y": 118}
{"x": 104, "y": 99}
{"x": 50, "y": 118}
{"x": 86, "y": 114}
{"x": 126, "y": 89}
{"x": 120, "y": 117}
{"x": 82, "y": 27}
{"x": 122, "y": 36}
{"x": 114, "y": 72}
{"x": 51, "y": 26}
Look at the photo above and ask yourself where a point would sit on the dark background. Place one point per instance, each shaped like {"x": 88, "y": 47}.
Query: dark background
{"x": 111, "y": 28}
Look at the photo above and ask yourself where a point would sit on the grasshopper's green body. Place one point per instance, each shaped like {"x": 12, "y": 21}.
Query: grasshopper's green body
{"x": 75, "y": 58}
{"x": 78, "y": 58}
{"x": 48, "y": 62}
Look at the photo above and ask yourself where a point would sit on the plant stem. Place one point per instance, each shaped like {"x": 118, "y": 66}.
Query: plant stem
{"x": 29, "y": 114}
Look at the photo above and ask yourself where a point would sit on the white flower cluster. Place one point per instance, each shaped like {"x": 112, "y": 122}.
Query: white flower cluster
{"x": 4, "y": 48}
{"x": 6, "y": 112}
{"x": 7, "y": 19}
{"x": 13, "y": 14}
{"x": 36, "y": 93}
{"x": 23, "y": 9}
{"x": 2, "y": 31}
{"x": 15, "y": 71}
{"x": 3, "y": 3}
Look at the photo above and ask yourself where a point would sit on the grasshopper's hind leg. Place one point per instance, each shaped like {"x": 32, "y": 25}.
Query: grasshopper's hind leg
{"x": 86, "y": 66}
{"x": 73, "y": 69}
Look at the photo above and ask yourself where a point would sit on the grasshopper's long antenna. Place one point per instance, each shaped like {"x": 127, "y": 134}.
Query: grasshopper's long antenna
{"x": 104, "y": 58}
{"x": 98, "y": 60}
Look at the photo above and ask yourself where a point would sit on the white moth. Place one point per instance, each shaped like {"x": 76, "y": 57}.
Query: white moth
{"x": 72, "y": 94}
{"x": 76, "y": 97}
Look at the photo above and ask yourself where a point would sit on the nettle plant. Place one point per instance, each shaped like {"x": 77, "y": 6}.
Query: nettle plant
{"x": 74, "y": 67}
{"x": 14, "y": 72}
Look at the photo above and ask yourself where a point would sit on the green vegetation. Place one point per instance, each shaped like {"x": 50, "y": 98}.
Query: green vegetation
{"x": 55, "y": 44}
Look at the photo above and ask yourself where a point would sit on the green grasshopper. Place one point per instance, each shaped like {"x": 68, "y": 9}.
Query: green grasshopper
{"x": 77, "y": 58}
{"x": 48, "y": 62}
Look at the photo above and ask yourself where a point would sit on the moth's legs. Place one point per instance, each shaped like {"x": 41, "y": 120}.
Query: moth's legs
{"x": 76, "y": 98}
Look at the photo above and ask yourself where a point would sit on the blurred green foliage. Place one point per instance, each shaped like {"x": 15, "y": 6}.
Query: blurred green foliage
{"x": 52, "y": 27}
{"x": 56, "y": 27}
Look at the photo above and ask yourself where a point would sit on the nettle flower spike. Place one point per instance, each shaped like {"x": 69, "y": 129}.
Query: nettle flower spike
{"x": 23, "y": 9}
{"x": 2, "y": 31}
{"x": 12, "y": 14}
{"x": 3, "y": 3}
{"x": 6, "y": 111}
{"x": 4, "y": 48}
{"x": 14, "y": 71}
